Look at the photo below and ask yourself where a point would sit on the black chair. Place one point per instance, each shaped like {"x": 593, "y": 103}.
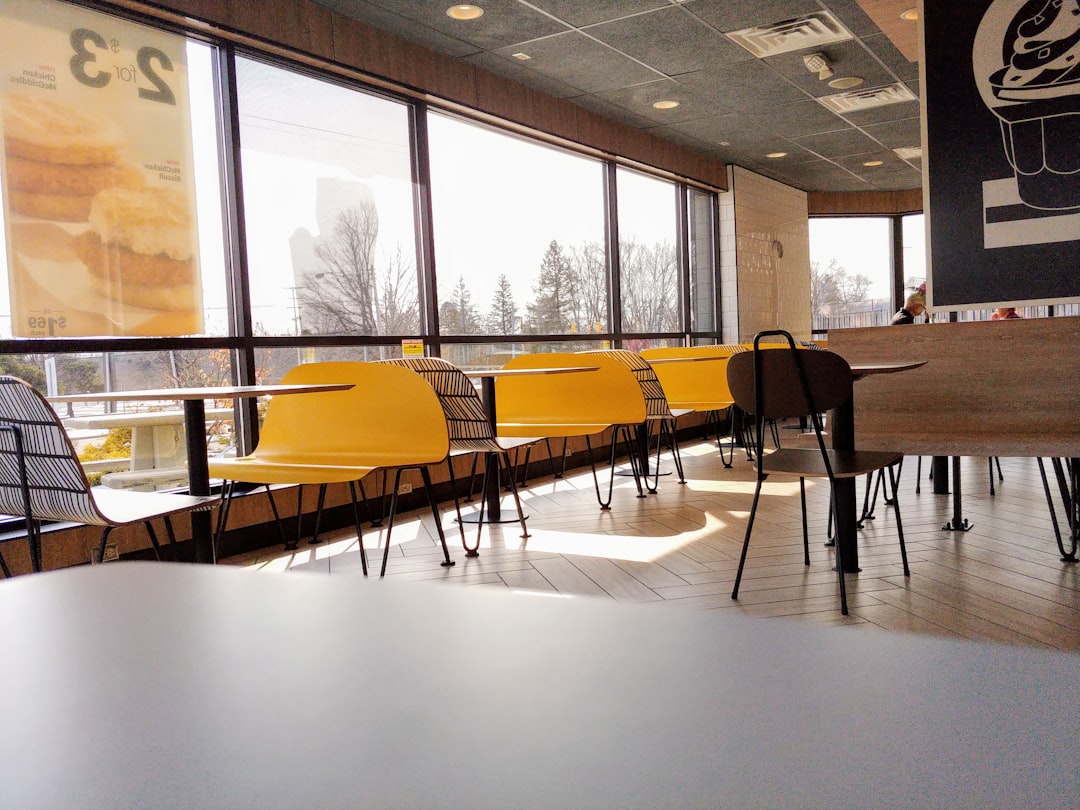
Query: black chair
{"x": 786, "y": 383}
{"x": 41, "y": 478}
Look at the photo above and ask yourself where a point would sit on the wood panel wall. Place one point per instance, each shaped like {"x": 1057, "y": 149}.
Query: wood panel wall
{"x": 994, "y": 388}
{"x": 822, "y": 203}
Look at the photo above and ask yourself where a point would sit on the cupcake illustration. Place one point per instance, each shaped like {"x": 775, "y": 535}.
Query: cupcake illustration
{"x": 1026, "y": 59}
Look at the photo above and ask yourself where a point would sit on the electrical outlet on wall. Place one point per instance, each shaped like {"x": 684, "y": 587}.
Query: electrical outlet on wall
{"x": 404, "y": 489}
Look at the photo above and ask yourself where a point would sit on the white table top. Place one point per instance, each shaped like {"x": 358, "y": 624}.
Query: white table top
{"x": 165, "y": 685}
{"x": 205, "y": 392}
{"x": 526, "y": 372}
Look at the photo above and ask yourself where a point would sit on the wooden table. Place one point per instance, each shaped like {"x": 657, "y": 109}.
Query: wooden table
{"x": 487, "y": 377}
{"x": 195, "y": 429}
{"x": 139, "y": 684}
{"x": 843, "y": 438}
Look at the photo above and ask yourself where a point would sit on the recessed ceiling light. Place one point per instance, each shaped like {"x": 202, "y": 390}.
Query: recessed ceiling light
{"x": 776, "y": 154}
{"x": 725, "y": 143}
{"x": 872, "y": 163}
{"x": 667, "y": 104}
{"x": 521, "y": 56}
{"x": 465, "y": 12}
{"x": 911, "y": 15}
{"x": 845, "y": 82}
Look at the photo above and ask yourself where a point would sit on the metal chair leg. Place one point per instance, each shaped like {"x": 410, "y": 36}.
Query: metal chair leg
{"x": 359, "y": 530}
{"x": 746, "y": 541}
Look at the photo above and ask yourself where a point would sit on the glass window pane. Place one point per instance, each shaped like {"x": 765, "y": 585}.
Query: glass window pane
{"x": 519, "y": 234}
{"x": 850, "y": 272}
{"x": 328, "y": 203}
{"x": 914, "y": 234}
{"x": 648, "y": 269}
{"x": 703, "y": 252}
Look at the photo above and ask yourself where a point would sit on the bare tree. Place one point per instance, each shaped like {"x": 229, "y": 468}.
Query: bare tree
{"x": 650, "y": 287}
{"x": 589, "y": 270}
{"x": 351, "y": 295}
{"x": 833, "y": 290}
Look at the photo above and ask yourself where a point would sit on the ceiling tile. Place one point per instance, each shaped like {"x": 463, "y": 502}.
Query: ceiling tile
{"x": 842, "y": 142}
{"x": 576, "y": 60}
{"x": 798, "y": 120}
{"x": 639, "y": 99}
{"x": 734, "y": 15}
{"x": 748, "y": 85}
{"x": 578, "y": 13}
{"x": 896, "y": 134}
{"x": 670, "y": 40}
{"x": 504, "y": 22}
{"x": 513, "y": 69}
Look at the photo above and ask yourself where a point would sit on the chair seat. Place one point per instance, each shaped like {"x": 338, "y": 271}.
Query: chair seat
{"x": 121, "y": 507}
{"x": 809, "y": 463}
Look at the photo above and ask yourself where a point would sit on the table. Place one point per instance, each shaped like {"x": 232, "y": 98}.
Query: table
{"x": 492, "y": 494}
{"x": 843, "y": 438}
{"x": 140, "y": 684}
{"x": 155, "y": 435}
{"x": 195, "y": 429}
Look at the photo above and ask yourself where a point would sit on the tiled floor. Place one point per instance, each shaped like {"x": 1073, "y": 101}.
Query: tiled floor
{"x": 1002, "y": 580}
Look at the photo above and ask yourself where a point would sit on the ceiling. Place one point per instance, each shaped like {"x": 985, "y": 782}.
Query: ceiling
{"x": 618, "y": 57}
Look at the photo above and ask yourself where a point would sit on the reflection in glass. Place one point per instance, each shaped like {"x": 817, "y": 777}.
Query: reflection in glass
{"x": 328, "y": 204}
{"x": 519, "y": 234}
{"x": 648, "y": 269}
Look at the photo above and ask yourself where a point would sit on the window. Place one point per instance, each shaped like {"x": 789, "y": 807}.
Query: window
{"x": 519, "y": 234}
{"x": 850, "y": 272}
{"x": 328, "y": 206}
{"x": 649, "y": 277}
{"x": 701, "y": 215}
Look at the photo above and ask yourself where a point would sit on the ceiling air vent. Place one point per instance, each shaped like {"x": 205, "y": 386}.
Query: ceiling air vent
{"x": 843, "y": 103}
{"x": 811, "y": 31}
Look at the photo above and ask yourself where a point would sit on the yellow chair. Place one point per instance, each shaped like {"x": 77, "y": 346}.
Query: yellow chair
{"x": 558, "y": 406}
{"x": 390, "y": 419}
{"x": 658, "y": 410}
{"x": 697, "y": 386}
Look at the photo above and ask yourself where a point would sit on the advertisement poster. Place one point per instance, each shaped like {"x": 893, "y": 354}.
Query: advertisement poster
{"x": 1001, "y": 83}
{"x": 99, "y": 198}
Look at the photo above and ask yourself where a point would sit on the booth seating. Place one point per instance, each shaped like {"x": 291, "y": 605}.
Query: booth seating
{"x": 560, "y": 406}
{"x": 698, "y": 386}
{"x": 390, "y": 419}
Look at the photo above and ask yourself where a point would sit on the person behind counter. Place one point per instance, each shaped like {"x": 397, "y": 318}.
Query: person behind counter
{"x": 1005, "y": 313}
{"x": 914, "y": 306}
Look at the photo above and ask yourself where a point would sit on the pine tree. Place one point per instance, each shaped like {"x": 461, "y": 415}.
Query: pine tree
{"x": 551, "y": 312}
{"x": 502, "y": 317}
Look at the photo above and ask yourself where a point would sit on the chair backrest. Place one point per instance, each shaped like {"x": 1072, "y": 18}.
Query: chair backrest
{"x": 390, "y": 417}
{"x": 575, "y": 404}
{"x": 465, "y": 416}
{"x": 773, "y": 382}
{"x": 656, "y": 401}
{"x": 58, "y": 489}
{"x": 700, "y": 386}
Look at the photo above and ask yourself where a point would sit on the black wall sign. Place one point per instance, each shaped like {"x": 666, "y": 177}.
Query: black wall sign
{"x": 1001, "y": 89}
